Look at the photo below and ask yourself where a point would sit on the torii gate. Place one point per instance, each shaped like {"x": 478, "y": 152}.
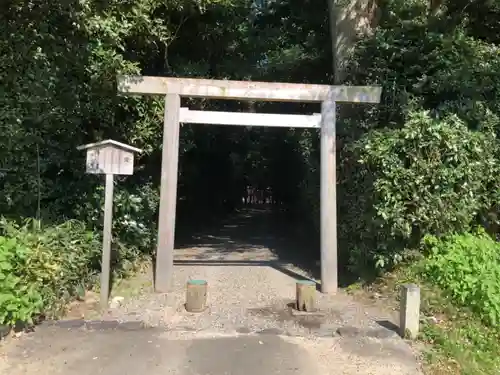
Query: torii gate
{"x": 175, "y": 88}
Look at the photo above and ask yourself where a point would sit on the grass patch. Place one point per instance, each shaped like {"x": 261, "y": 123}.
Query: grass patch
{"x": 135, "y": 284}
{"x": 455, "y": 339}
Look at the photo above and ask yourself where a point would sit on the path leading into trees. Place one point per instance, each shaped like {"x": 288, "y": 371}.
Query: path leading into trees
{"x": 247, "y": 329}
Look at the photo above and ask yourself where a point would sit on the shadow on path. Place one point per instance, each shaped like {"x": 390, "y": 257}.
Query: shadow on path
{"x": 258, "y": 235}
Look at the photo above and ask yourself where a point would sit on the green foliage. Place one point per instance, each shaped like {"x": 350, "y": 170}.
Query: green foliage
{"x": 455, "y": 73}
{"x": 429, "y": 152}
{"x": 456, "y": 340}
{"x": 19, "y": 300}
{"x": 56, "y": 261}
{"x": 134, "y": 222}
{"x": 464, "y": 347}
{"x": 467, "y": 266}
{"x": 44, "y": 268}
{"x": 430, "y": 176}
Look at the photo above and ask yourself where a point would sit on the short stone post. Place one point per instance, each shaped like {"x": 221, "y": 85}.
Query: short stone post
{"x": 409, "y": 313}
{"x": 305, "y": 295}
{"x": 196, "y": 295}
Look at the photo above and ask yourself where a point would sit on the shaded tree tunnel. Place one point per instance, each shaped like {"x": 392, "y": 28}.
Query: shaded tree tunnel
{"x": 231, "y": 167}
{"x": 257, "y": 172}
{"x": 223, "y": 167}
{"x": 226, "y": 169}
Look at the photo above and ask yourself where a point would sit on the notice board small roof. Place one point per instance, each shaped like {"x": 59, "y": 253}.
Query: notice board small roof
{"x": 109, "y": 142}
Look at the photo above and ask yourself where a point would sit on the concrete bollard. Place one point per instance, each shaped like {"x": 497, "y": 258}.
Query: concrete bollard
{"x": 196, "y": 295}
{"x": 305, "y": 295}
{"x": 409, "y": 312}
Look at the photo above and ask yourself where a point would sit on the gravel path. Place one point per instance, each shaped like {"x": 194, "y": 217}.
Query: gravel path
{"x": 249, "y": 288}
{"x": 245, "y": 299}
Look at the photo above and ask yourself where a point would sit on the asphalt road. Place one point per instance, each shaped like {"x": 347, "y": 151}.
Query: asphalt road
{"x": 132, "y": 350}
{"x": 148, "y": 351}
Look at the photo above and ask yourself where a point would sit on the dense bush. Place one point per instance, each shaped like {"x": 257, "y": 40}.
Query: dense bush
{"x": 56, "y": 263}
{"x": 43, "y": 269}
{"x": 19, "y": 300}
{"x": 433, "y": 175}
{"x": 134, "y": 221}
{"x": 430, "y": 148}
{"x": 467, "y": 266}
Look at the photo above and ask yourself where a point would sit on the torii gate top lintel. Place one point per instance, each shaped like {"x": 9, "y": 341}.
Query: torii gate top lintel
{"x": 246, "y": 90}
